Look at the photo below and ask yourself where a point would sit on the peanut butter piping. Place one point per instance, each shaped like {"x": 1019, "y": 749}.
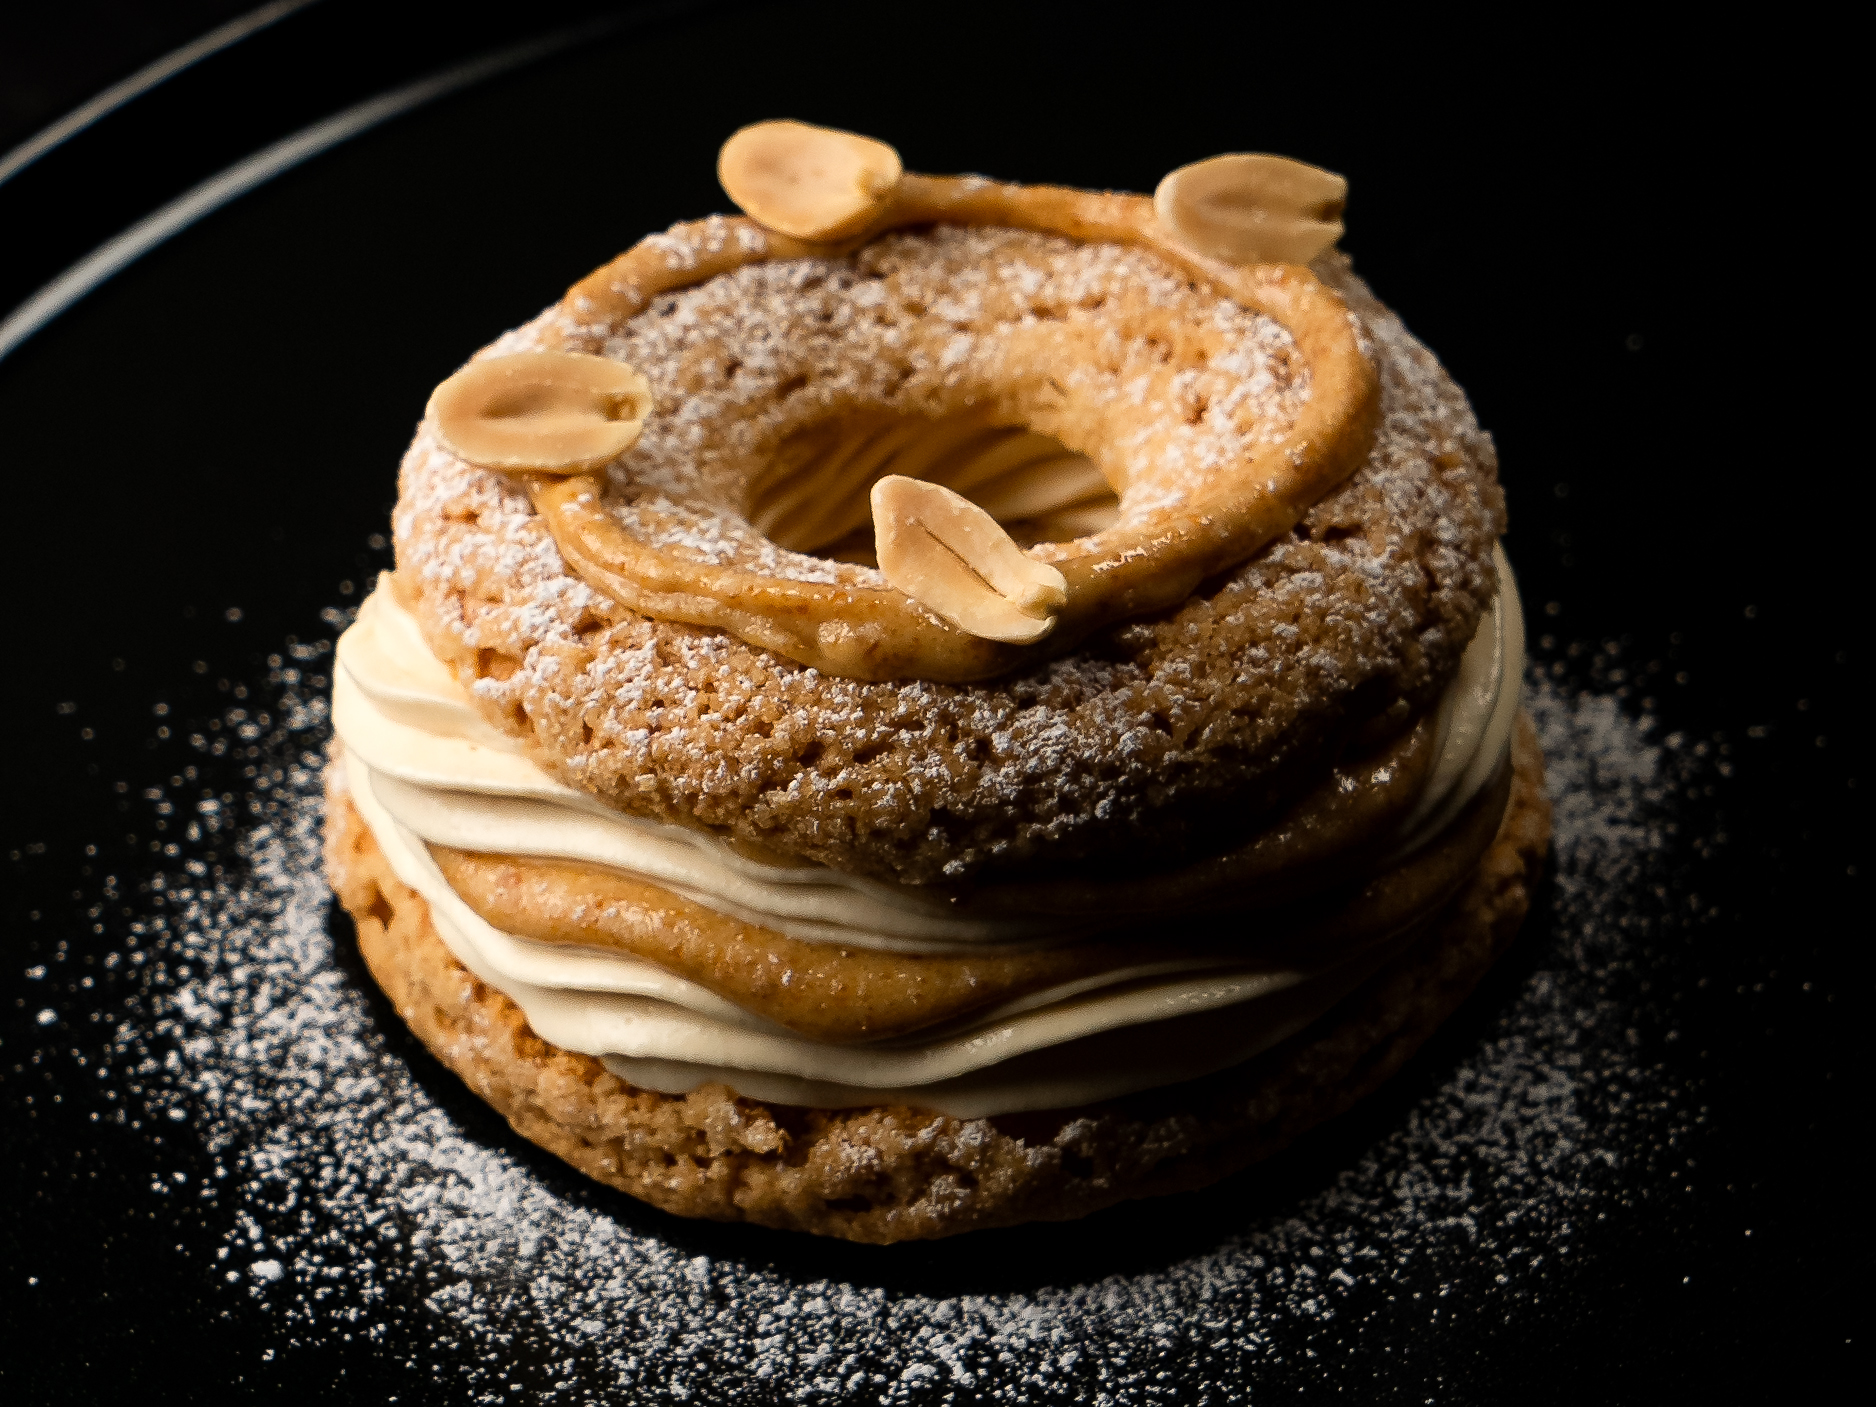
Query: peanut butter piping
{"x": 1149, "y": 561}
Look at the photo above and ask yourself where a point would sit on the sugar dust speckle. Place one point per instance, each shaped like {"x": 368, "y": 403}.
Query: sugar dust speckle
{"x": 342, "y": 1197}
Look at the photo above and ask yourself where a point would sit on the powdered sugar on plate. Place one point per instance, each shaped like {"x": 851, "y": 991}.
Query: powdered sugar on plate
{"x": 354, "y": 1195}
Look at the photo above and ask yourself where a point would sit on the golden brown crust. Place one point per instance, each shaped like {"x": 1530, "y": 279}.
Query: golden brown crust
{"x": 1128, "y": 753}
{"x": 891, "y": 1173}
{"x": 1174, "y": 530}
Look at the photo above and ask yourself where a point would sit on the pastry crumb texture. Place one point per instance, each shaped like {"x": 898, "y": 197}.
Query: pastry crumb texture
{"x": 1129, "y": 748}
{"x": 898, "y": 1174}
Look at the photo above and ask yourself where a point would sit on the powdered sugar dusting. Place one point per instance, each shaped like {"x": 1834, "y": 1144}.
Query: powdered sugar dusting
{"x": 924, "y": 326}
{"x": 1107, "y": 753}
{"x": 354, "y": 1202}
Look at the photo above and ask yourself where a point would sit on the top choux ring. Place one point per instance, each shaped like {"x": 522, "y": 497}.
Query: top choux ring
{"x": 711, "y": 519}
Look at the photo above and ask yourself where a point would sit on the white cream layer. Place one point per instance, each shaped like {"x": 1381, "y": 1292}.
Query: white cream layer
{"x": 1047, "y": 1051}
{"x": 453, "y": 779}
{"x": 1073, "y": 1045}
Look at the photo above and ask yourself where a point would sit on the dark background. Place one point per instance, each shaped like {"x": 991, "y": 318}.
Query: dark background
{"x": 1573, "y": 217}
{"x": 55, "y": 57}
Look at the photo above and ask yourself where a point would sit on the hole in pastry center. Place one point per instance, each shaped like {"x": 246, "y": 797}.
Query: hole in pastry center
{"x": 814, "y": 495}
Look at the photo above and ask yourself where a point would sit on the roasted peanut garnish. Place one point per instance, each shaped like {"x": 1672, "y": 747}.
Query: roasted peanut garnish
{"x": 556, "y": 412}
{"x": 811, "y": 183}
{"x": 1249, "y": 208}
{"x": 954, "y": 559}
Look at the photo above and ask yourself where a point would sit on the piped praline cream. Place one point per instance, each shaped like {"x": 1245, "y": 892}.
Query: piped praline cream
{"x": 424, "y": 767}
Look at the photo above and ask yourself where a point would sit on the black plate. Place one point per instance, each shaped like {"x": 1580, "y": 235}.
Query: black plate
{"x": 1621, "y": 1171}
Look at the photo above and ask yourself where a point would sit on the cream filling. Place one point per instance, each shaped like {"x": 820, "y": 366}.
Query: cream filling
{"x": 499, "y": 957}
{"x": 1050, "y": 1050}
{"x": 442, "y": 771}
{"x": 1220, "y": 1029}
{"x": 1094, "y": 1039}
{"x": 1477, "y": 713}
{"x": 791, "y": 902}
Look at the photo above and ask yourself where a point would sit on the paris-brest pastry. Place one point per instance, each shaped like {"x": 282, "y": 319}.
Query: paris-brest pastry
{"x": 934, "y": 704}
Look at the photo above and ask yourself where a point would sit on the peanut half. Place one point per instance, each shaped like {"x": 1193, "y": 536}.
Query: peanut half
{"x": 556, "y": 412}
{"x": 811, "y": 183}
{"x": 954, "y": 559}
{"x": 1249, "y": 208}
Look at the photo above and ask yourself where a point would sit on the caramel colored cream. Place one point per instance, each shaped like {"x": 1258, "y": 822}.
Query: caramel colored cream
{"x": 680, "y": 960}
{"x": 454, "y": 780}
{"x": 836, "y": 993}
{"x": 1067, "y": 1047}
